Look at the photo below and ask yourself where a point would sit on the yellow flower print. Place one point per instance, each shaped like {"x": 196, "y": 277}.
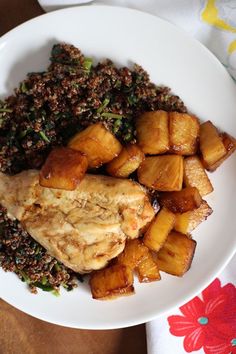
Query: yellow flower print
{"x": 211, "y": 15}
{"x": 231, "y": 58}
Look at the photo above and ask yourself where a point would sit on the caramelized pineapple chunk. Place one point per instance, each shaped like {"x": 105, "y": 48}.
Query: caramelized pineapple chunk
{"x": 63, "y": 169}
{"x": 195, "y": 175}
{"x": 159, "y": 229}
{"x": 98, "y": 144}
{"x": 152, "y": 132}
{"x": 229, "y": 143}
{"x": 211, "y": 145}
{"x": 188, "y": 221}
{"x": 163, "y": 173}
{"x": 134, "y": 251}
{"x": 147, "y": 269}
{"x": 230, "y": 146}
{"x": 112, "y": 282}
{"x": 175, "y": 257}
{"x": 184, "y": 133}
{"x": 126, "y": 162}
{"x": 181, "y": 201}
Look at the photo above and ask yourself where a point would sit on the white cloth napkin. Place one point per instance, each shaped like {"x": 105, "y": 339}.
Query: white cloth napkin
{"x": 207, "y": 323}
{"x": 212, "y": 22}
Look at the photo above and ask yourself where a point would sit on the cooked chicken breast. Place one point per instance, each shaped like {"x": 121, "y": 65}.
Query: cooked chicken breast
{"x": 84, "y": 228}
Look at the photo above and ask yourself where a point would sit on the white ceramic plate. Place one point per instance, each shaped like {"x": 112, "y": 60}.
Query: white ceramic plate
{"x": 174, "y": 59}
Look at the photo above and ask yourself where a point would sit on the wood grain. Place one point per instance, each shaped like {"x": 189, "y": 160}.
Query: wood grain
{"x": 20, "y": 333}
{"x": 15, "y": 12}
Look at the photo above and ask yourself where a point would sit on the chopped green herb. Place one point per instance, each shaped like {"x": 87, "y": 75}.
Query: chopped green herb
{"x": 37, "y": 250}
{"x": 23, "y": 87}
{"x": 44, "y": 137}
{"x": 112, "y": 115}
{"x": 72, "y": 70}
{"x": 103, "y": 105}
{"x": 6, "y": 110}
{"x": 24, "y": 276}
{"x": 166, "y": 98}
{"x": 117, "y": 84}
{"x": 88, "y": 62}
{"x": 128, "y": 137}
{"x": 132, "y": 99}
{"x": 31, "y": 116}
{"x": 44, "y": 287}
{"x": 57, "y": 267}
{"x": 56, "y": 51}
{"x": 23, "y": 133}
{"x": 116, "y": 126}
{"x": 74, "y": 85}
{"x": 55, "y": 293}
{"x": 35, "y": 73}
{"x": 44, "y": 280}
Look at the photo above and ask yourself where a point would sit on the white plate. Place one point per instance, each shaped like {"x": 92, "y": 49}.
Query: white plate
{"x": 174, "y": 59}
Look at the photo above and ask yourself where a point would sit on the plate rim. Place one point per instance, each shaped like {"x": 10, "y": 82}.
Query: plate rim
{"x": 198, "y": 289}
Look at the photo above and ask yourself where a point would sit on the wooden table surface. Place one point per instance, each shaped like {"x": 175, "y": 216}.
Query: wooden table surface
{"x": 23, "y": 334}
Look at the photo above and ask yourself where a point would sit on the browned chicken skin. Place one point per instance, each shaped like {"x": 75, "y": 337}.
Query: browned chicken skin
{"x": 84, "y": 228}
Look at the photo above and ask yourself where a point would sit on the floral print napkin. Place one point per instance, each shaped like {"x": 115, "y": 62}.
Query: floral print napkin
{"x": 205, "y": 324}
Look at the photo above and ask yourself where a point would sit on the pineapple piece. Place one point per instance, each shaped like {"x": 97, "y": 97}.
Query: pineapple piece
{"x": 126, "y": 162}
{"x": 181, "y": 201}
{"x": 184, "y": 133}
{"x": 211, "y": 145}
{"x": 230, "y": 146}
{"x": 176, "y": 256}
{"x": 159, "y": 229}
{"x": 152, "y": 132}
{"x": 112, "y": 282}
{"x": 163, "y": 173}
{"x": 229, "y": 143}
{"x": 97, "y": 143}
{"x": 133, "y": 252}
{"x": 195, "y": 175}
{"x": 147, "y": 269}
{"x": 63, "y": 169}
{"x": 188, "y": 221}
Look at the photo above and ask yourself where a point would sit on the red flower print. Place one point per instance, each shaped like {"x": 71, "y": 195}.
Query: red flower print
{"x": 210, "y": 322}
